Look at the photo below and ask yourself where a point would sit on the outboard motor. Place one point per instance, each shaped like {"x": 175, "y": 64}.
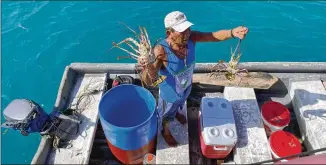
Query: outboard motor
{"x": 28, "y": 117}
{"x": 25, "y": 115}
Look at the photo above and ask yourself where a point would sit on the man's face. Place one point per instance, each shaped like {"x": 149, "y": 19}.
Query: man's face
{"x": 181, "y": 38}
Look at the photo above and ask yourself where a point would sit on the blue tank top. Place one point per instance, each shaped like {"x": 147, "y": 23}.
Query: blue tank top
{"x": 178, "y": 73}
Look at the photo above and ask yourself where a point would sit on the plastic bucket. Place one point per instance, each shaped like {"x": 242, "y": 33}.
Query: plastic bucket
{"x": 129, "y": 120}
{"x": 283, "y": 144}
{"x": 275, "y": 116}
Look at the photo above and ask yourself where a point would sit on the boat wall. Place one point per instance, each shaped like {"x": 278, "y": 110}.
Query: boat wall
{"x": 66, "y": 84}
{"x": 312, "y": 159}
{"x": 282, "y": 70}
{"x": 271, "y": 67}
{"x": 308, "y": 69}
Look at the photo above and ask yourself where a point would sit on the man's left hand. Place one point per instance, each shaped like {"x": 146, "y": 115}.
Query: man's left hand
{"x": 240, "y": 32}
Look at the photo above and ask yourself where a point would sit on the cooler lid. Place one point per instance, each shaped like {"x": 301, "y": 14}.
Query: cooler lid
{"x": 218, "y": 131}
{"x": 216, "y": 107}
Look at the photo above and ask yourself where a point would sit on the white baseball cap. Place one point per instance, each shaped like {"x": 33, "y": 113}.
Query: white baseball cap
{"x": 177, "y": 21}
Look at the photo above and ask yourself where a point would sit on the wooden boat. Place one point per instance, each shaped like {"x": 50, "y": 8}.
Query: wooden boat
{"x": 90, "y": 146}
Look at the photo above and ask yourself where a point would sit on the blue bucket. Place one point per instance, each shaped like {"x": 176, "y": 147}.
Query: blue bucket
{"x": 128, "y": 116}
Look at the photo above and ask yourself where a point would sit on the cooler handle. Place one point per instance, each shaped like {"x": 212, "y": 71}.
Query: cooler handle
{"x": 220, "y": 149}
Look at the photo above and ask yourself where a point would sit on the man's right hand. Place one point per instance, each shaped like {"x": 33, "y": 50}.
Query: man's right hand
{"x": 151, "y": 67}
{"x": 239, "y": 32}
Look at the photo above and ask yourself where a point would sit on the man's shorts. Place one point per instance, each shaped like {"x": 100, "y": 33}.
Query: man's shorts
{"x": 167, "y": 110}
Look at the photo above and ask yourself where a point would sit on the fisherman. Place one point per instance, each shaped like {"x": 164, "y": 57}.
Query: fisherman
{"x": 175, "y": 63}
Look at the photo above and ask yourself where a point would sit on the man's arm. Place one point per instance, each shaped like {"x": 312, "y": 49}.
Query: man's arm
{"x": 220, "y": 35}
{"x": 151, "y": 72}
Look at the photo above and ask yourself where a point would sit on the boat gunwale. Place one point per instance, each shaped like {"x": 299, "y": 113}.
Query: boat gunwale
{"x": 270, "y": 67}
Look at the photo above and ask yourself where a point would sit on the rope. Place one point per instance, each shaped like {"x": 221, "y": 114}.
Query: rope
{"x": 239, "y": 43}
{"x": 85, "y": 97}
{"x": 238, "y": 46}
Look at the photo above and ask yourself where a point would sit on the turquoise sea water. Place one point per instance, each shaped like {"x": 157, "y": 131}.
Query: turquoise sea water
{"x": 40, "y": 38}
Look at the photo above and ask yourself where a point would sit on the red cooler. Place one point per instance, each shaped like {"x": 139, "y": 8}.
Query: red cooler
{"x": 217, "y": 129}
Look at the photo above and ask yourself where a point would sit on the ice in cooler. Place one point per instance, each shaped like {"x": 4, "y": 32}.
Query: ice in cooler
{"x": 217, "y": 130}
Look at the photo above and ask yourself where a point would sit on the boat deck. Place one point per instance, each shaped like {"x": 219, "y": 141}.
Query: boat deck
{"x": 101, "y": 153}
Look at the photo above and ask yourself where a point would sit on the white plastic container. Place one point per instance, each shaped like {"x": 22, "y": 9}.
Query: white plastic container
{"x": 217, "y": 130}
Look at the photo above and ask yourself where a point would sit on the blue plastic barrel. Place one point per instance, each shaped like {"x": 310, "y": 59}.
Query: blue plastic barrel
{"x": 129, "y": 120}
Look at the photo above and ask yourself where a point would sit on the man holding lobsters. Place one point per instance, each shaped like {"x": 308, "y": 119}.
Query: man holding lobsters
{"x": 175, "y": 61}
